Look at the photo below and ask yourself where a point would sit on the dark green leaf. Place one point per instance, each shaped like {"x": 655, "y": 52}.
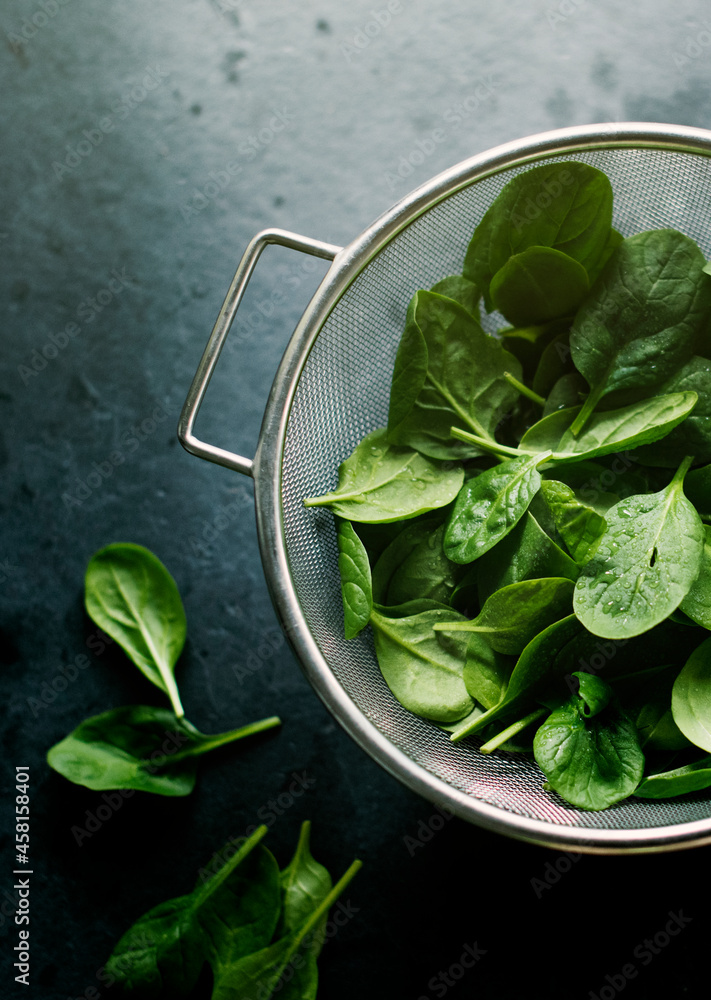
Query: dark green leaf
{"x": 131, "y": 596}
{"x": 514, "y": 615}
{"x": 414, "y": 565}
{"x": 356, "y": 585}
{"x": 693, "y": 437}
{"x": 679, "y": 781}
{"x": 380, "y": 482}
{"x": 456, "y": 287}
{"x": 589, "y": 750}
{"x": 486, "y": 672}
{"x": 140, "y": 747}
{"x": 697, "y": 603}
{"x": 447, "y": 371}
{"x": 580, "y": 526}
{"x": 422, "y": 668}
{"x": 691, "y": 697}
{"x": 488, "y": 507}
{"x": 644, "y": 564}
{"x": 538, "y": 285}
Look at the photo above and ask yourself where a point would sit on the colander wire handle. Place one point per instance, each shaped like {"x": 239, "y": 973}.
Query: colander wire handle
{"x": 225, "y": 318}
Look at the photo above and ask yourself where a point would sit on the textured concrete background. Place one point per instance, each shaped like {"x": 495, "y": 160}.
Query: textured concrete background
{"x": 143, "y": 145}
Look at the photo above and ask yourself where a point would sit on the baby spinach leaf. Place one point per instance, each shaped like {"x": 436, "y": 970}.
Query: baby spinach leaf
{"x": 693, "y": 437}
{"x": 697, "y": 603}
{"x": 697, "y": 487}
{"x": 543, "y": 661}
{"x": 641, "y": 320}
{"x": 486, "y": 672}
{"x": 555, "y": 362}
{"x": 538, "y": 285}
{"x": 423, "y": 669}
{"x": 648, "y": 704}
{"x": 564, "y": 206}
{"x": 380, "y": 482}
{"x": 414, "y": 565}
{"x": 679, "y": 781}
{"x": 305, "y": 884}
{"x": 580, "y": 526}
{"x": 456, "y": 287}
{"x": 260, "y": 973}
{"x": 231, "y": 915}
{"x": 514, "y": 615}
{"x": 140, "y": 747}
{"x": 526, "y": 553}
{"x": 356, "y": 584}
{"x": 447, "y": 370}
{"x": 488, "y": 507}
{"x": 568, "y": 392}
{"x": 131, "y": 596}
{"x": 644, "y": 564}
{"x": 607, "y": 432}
{"x": 691, "y": 697}
{"x": 588, "y": 748}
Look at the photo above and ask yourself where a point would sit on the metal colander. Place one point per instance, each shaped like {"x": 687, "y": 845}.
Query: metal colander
{"x": 332, "y": 388}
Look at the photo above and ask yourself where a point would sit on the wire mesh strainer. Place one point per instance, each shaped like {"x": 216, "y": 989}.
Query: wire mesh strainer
{"x": 332, "y": 388}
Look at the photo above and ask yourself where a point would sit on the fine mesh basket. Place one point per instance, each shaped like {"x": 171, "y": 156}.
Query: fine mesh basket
{"x": 332, "y": 388}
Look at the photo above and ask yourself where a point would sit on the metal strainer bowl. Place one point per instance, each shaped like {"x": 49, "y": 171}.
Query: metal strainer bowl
{"x": 332, "y": 388}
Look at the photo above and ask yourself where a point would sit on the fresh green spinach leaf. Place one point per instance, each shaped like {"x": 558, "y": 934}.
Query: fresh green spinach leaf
{"x": 140, "y": 747}
{"x": 486, "y": 672}
{"x": 697, "y": 603}
{"x": 380, "y": 482}
{"x": 538, "y": 285}
{"x": 679, "y": 781}
{"x": 580, "y": 526}
{"x": 131, "y": 596}
{"x": 356, "y": 583}
{"x": 644, "y": 564}
{"x": 691, "y": 697}
{"x": 456, "y": 287}
{"x": 414, "y": 565}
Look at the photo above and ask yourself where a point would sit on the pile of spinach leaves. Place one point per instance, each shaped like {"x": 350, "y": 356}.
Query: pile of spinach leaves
{"x": 259, "y": 928}
{"x": 529, "y": 538}
{"x": 132, "y": 597}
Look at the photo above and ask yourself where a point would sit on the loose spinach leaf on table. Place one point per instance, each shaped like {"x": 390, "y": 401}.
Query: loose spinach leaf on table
{"x": 247, "y": 921}
{"x": 641, "y": 321}
{"x": 356, "y": 583}
{"x": 644, "y": 564}
{"x": 489, "y": 506}
{"x": 380, "y": 482}
{"x": 447, "y": 370}
{"x": 140, "y": 747}
{"x": 131, "y": 596}
{"x": 514, "y": 615}
{"x": 422, "y": 668}
{"x": 567, "y": 207}
{"x": 691, "y": 697}
{"x": 588, "y": 748}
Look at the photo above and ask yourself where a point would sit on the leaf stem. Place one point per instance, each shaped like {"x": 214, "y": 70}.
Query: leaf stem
{"x": 218, "y": 740}
{"x": 493, "y": 447}
{"x": 586, "y": 412}
{"x": 524, "y": 390}
{"x": 682, "y": 471}
{"x": 516, "y": 727}
{"x": 219, "y": 877}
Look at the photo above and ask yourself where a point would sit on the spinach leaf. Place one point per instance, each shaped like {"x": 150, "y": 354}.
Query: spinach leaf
{"x": 447, "y": 370}
{"x": 356, "y": 584}
{"x": 693, "y": 437}
{"x": 231, "y": 915}
{"x": 380, "y": 482}
{"x": 140, "y": 747}
{"x": 538, "y": 285}
{"x": 697, "y": 487}
{"x": 514, "y": 615}
{"x": 456, "y": 287}
{"x": 697, "y": 603}
{"x": 414, "y": 565}
{"x": 641, "y": 320}
{"x": 607, "y": 432}
{"x": 262, "y": 973}
{"x": 526, "y": 553}
{"x": 131, "y": 596}
{"x": 679, "y": 781}
{"x": 649, "y": 705}
{"x": 580, "y": 526}
{"x": 588, "y": 748}
{"x": 305, "y": 884}
{"x": 486, "y": 672}
{"x": 691, "y": 697}
{"x": 568, "y": 392}
{"x": 422, "y": 668}
{"x": 554, "y": 363}
{"x": 564, "y": 206}
{"x": 488, "y": 507}
{"x": 644, "y": 564}
{"x": 542, "y": 662}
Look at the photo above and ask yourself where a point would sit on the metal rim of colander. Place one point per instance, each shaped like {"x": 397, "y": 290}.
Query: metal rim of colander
{"x": 346, "y": 266}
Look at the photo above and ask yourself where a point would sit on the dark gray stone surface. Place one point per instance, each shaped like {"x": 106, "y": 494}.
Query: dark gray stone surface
{"x": 143, "y": 145}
